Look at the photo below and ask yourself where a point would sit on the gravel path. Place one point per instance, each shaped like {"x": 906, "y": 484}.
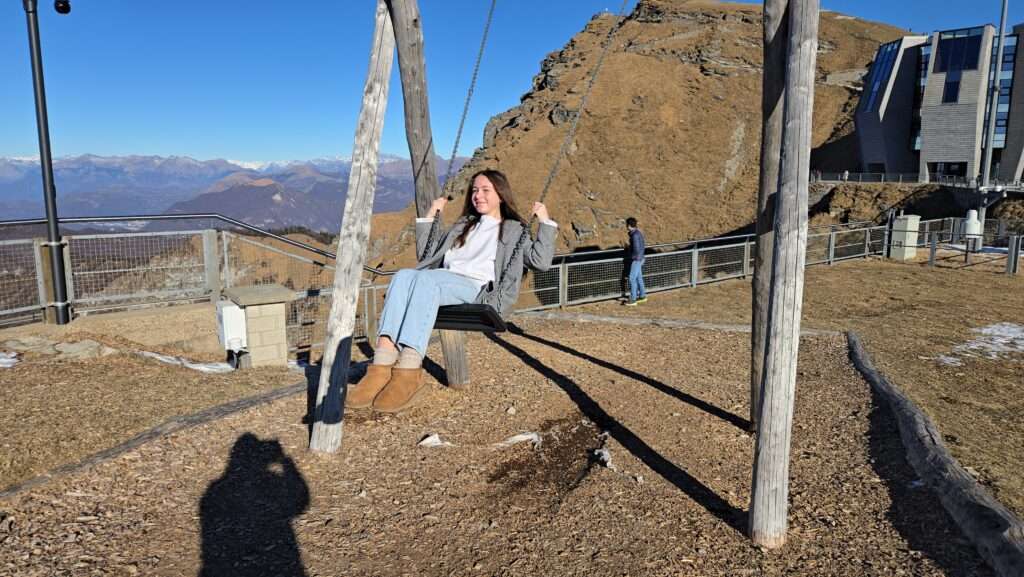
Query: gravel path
{"x": 665, "y": 405}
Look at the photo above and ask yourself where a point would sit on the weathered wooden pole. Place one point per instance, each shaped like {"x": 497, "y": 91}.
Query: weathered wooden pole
{"x": 776, "y": 28}
{"x": 405, "y": 14}
{"x": 770, "y": 494}
{"x": 352, "y": 242}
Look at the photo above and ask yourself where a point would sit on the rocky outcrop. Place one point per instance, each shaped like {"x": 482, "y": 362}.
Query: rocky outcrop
{"x": 671, "y": 131}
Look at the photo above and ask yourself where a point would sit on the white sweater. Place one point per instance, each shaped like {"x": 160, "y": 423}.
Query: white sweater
{"x": 475, "y": 259}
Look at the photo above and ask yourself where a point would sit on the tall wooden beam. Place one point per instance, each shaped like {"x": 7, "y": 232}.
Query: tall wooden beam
{"x": 776, "y": 28}
{"x": 405, "y": 14}
{"x": 353, "y": 240}
{"x": 769, "y": 497}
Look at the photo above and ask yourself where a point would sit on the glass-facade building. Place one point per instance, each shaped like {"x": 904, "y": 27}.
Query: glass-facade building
{"x": 927, "y": 100}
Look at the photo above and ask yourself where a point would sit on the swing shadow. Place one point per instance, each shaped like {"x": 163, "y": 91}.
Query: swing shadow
{"x": 734, "y": 420}
{"x": 693, "y": 488}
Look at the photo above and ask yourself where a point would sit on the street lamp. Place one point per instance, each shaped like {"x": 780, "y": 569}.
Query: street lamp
{"x": 60, "y": 294}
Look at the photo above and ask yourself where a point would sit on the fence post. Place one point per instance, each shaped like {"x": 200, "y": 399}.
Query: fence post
{"x": 370, "y": 314}
{"x": 227, "y": 268}
{"x": 563, "y": 284}
{"x": 867, "y": 242}
{"x": 70, "y": 276}
{"x": 746, "y": 259}
{"x": 831, "y": 246}
{"x": 933, "y": 243}
{"x": 211, "y": 264}
{"x": 888, "y": 234}
{"x": 1013, "y": 254}
{"x": 37, "y": 255}
{"x": 694, "y": 263}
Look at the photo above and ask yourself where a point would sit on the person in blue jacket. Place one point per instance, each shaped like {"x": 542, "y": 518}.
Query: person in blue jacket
{"x": 637, "y": 246}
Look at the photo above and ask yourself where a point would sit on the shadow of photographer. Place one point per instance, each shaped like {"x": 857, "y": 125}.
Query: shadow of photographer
{"x": 246, "y": 514}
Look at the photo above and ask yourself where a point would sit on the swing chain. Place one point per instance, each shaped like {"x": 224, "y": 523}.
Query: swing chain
{"x": 565, "y": 147}
{"x": 436, "y": 225}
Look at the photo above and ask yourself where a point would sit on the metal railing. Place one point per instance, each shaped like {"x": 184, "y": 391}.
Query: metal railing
{"x": 869, "y": 177}
{"x": 141, "y": 268}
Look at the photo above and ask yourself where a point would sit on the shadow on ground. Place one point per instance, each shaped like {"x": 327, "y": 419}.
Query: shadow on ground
{"x": 246, "y": 514}
{"x": 688, "y": 484}
{"x": 734, "y": 420}
{"x": 916, "y": 511}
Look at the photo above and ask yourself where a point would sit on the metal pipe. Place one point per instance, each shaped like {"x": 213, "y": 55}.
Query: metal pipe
{"x": 60, "y": 297}
{"x": 993, "y": 107}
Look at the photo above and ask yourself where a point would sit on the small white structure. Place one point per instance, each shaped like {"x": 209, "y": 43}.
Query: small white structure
{"x": 904, "y": 237}
{"x": 251, "y": 325}
{"x": 972, "y": 230}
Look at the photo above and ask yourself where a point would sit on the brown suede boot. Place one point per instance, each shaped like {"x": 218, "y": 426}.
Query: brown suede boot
{"x": 401, "y": 392}
{"x": 361, "y": 395}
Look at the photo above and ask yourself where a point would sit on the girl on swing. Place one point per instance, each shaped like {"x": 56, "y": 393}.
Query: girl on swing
{"x": 465, "y": 266}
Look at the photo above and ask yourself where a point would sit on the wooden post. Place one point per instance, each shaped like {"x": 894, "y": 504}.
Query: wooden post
{"x": 769, "y": 496}
{"x": 405, "y": 16}
{"x": 776, "y": 30}
{"x": 354, "y": 237}
{"x": 409, "y": 37}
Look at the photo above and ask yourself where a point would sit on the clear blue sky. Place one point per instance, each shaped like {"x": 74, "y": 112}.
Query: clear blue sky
{"x": 273, "y": 80}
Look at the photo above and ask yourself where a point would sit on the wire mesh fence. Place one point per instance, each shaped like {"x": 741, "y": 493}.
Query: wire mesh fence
{"x": 21, "y": 278}
{"x": 143, "y": 267}
{"x": 134, "y": 268}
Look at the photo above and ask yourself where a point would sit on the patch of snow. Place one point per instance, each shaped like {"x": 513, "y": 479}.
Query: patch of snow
{"x": 433, "y": 440}
{"x": 8, "y": 360}
{"x": 996, "y": 341}
{"x": 604, "y": 456}
{"x": 182, "y": 362}
{"x": 521, "y": 438}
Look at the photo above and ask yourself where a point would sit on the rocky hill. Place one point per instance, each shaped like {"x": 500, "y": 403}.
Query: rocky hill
{"x": 671, "y": 131}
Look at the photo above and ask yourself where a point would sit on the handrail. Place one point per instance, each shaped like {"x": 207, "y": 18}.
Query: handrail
{"x": 330, "y": 255}
{"x": 212, "y": 215}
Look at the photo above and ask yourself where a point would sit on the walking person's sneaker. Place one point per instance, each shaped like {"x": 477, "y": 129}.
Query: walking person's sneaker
{"x": 641, "y": 300}
{"x": 631, "y": 303}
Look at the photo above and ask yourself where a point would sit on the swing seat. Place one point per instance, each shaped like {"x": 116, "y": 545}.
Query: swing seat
{"x": 469, "y": 317}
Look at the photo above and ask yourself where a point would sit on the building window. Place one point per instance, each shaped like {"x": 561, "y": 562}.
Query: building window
{"x": 880, "y": 72}
{"x": 1005, "y": 87}
{"x": 951, "y": 90}
{"x": 959, "y": 50}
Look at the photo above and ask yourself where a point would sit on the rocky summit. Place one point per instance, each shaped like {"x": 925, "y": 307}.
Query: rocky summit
{"x": 671, "y": 130}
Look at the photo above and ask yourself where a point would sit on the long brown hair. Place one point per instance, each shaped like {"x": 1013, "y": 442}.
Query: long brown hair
{"x": 508, "y": 202}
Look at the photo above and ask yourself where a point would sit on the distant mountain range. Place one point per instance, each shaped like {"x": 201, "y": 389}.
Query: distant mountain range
{"x": 278, "y": 194}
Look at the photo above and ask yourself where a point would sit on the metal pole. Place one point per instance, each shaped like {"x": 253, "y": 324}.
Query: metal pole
{"x": 49, "y": 193}
{"x": 993, "y": 107}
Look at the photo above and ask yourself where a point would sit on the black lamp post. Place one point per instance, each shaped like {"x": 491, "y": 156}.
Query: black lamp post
{"x": 60, "y": 295}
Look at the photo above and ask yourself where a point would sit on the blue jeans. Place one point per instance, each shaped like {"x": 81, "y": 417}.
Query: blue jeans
{"x": 410, "y": 306}
{"x": 636, "y": 280}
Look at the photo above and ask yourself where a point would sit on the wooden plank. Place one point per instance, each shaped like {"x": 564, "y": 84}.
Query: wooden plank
{"x": 409, "y": 37}
{"x": 776, "y": 30}
{"x": 769, "y": 496}
{"x": 354, "y": 237}
{"x": 995, "y": 531}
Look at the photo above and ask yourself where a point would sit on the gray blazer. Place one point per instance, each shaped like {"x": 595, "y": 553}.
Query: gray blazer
{"x": 535, "y": 253}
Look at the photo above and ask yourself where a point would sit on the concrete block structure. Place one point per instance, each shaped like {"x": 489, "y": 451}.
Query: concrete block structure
{"x": 904, "y": 237}
{"x": 266, "y": 312}
{"x": 926, "y": 100}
